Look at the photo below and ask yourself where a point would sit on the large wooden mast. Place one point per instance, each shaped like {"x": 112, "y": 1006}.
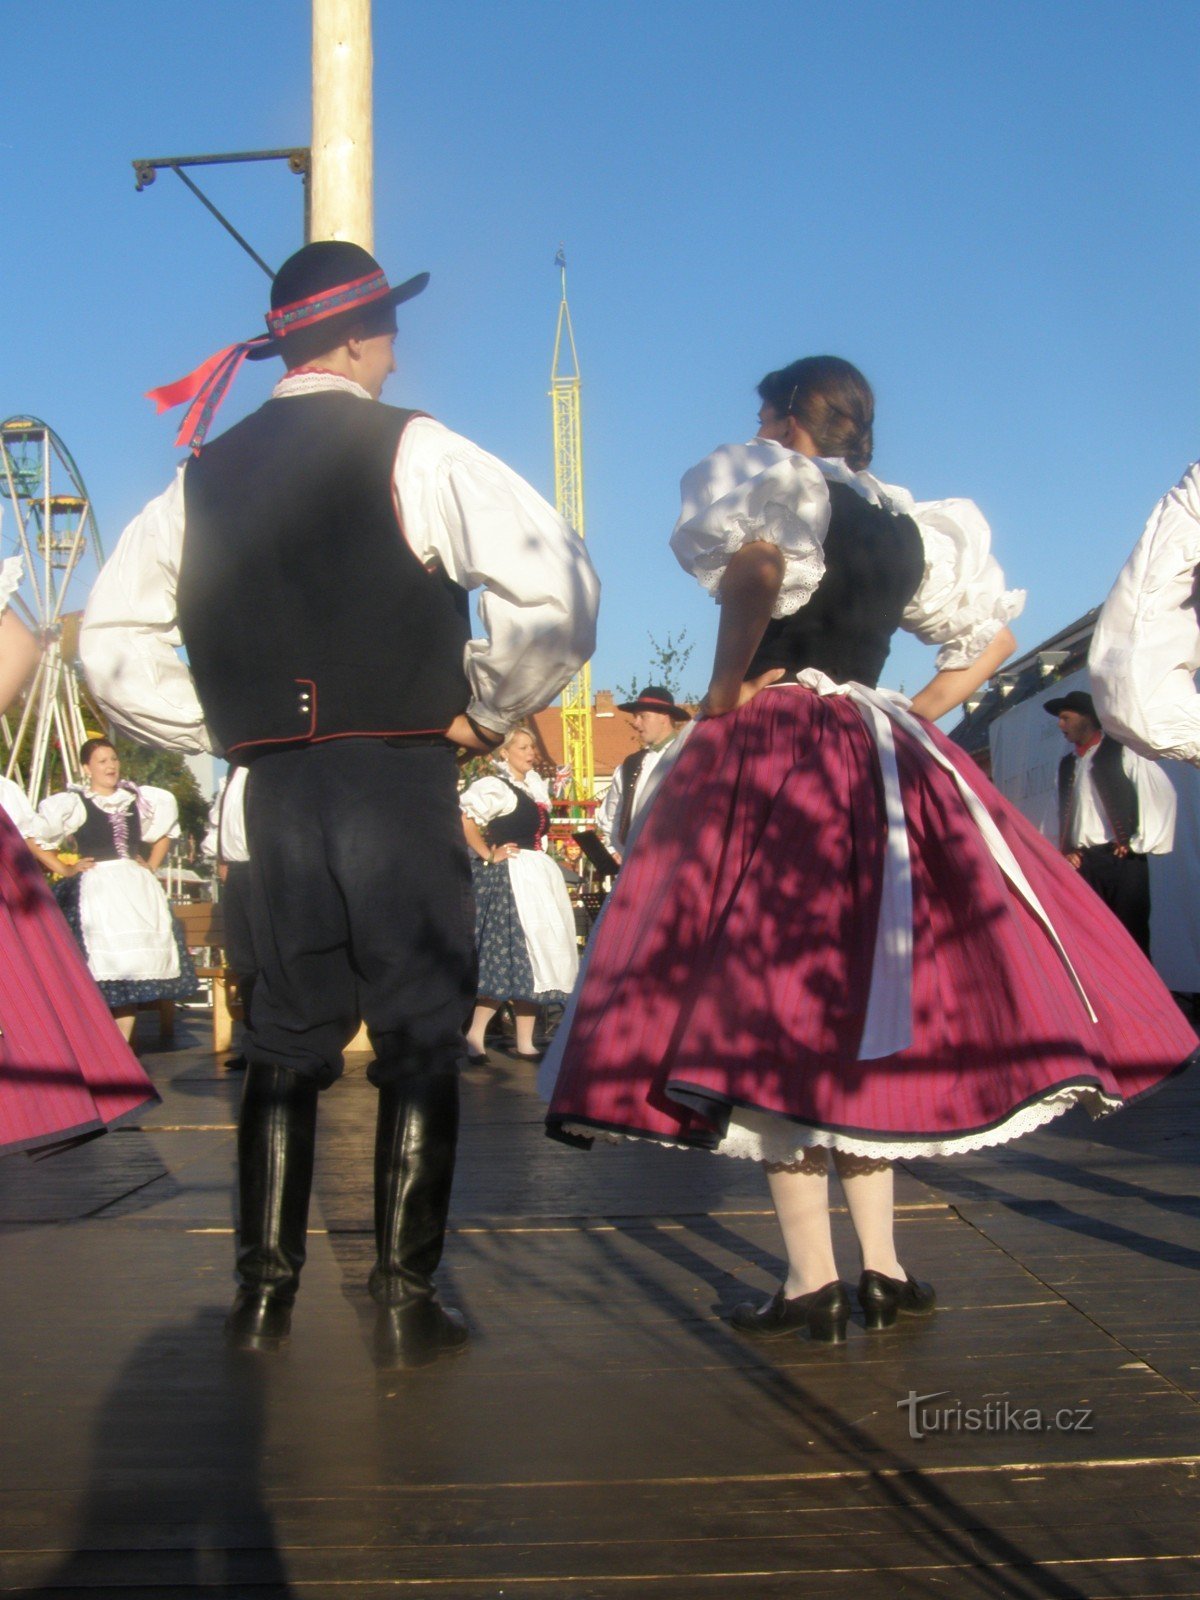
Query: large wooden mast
{"x": 343, "y": 200}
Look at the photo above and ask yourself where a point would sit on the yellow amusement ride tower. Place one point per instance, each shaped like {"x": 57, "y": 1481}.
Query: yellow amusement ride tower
{"x": 576, "y": 789}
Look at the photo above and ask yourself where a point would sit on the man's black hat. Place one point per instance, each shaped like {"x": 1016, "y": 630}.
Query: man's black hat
{"x": 318, "y": 296}
{"x": 1078, "y": 701}
{"x": 333, "y": 283}
{"x": 656, "y": 698}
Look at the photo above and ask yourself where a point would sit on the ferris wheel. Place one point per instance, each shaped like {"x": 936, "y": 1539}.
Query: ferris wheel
{"x": 55, "y": 527}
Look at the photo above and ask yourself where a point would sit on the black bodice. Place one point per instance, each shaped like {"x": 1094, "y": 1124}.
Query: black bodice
{"x": 874, "y": 562}
{"x": 522, "y": 826}
{"x": 108, "y": 836}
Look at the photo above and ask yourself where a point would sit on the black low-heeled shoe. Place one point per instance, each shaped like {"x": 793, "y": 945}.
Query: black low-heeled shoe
{"x": 883, "y": 1299}
{"x": 825, "y": 1313}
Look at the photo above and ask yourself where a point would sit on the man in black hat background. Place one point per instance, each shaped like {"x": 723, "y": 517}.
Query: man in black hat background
{"x": 1115, "y": 808}
{"x": 315, "y": 561}
{"x": 658, "y": 722}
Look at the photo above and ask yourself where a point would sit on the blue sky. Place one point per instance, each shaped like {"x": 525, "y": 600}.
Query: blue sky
{"x": 990, "y": 208}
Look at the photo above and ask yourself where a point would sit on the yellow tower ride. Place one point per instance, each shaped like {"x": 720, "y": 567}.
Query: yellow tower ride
{"x": 568, "y": 497}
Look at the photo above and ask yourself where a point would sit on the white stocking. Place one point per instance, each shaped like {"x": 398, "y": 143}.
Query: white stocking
{"x": 869, "y": 1191}
{"x": 800, "y": 1195}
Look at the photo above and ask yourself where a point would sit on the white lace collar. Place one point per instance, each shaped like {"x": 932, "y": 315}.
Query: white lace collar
{"x": 119, "y": 800}
{"x": 300, "y": 382}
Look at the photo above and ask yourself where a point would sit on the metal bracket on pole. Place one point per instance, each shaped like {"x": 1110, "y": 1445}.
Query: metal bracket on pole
{"x": 298, "y": 159}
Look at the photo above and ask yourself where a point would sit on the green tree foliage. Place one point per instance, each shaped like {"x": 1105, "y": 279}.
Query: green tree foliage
{"x": 668, "y": 663}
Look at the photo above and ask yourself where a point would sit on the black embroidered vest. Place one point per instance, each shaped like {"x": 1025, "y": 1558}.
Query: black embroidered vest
{"x": 1115, "y": 790}
{"x": 874, "y": 562}
{"x": 106, "y": 837}
{"x": 304, "y": 612}
{"x": 631, "y": 772}
{"x": 523, "y": 826}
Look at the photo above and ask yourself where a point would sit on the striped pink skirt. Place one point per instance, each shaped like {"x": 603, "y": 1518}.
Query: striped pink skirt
{"x": 725, "y": 996}
{"x": 65, "y": 1070}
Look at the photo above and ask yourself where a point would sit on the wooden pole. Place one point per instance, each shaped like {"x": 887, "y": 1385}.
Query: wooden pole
{"x": 343, "y": 203}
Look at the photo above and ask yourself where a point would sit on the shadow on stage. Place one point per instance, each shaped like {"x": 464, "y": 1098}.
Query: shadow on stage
{"x": 174, "y": 1498}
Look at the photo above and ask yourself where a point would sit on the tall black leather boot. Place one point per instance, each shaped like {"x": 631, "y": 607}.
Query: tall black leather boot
{"x": 276, "y": 1138}
{"x": 415, "y": 1140}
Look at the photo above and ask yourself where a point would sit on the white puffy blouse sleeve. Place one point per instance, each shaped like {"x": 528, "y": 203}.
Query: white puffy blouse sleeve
{"x": 748, "y": 492}
{"x": 61, "y": 814}
{"x": 1145, "y": 651}
{"x": 12, "y": 570}
{"x": 486, "y": 799}
{"x": 159, "y": 812}
{"x": 961, "y": 602}
{"x": 21, "y": 814}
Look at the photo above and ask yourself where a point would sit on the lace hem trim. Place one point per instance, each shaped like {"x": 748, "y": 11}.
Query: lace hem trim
{"x": 760, "y": 1136}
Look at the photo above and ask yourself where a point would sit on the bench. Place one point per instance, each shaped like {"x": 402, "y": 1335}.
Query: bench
{"x": 204, "y": 935}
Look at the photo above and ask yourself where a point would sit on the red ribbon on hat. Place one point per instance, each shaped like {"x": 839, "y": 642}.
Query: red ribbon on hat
{"x": 208, "y": 385}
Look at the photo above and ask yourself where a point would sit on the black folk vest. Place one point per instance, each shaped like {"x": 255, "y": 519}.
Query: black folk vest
{"x": 1115, "y": 790}
{"x": 874, "y": 563}
{"x": 304, "y": 613}
{"x": 104, "y": 836}
{"x": 631, "y": 772}
{"x": 523, "y": 826}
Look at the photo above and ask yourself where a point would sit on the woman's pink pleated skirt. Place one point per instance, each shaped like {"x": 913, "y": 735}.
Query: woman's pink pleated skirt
{"x": 65, "y": 1070}
{"x": 730, "y": 972}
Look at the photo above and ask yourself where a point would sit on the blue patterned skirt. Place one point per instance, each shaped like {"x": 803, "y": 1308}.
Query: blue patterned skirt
{"x": 505, "y": 970}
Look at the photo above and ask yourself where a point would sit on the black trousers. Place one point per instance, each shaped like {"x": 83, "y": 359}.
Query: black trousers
{"x": 1123, "y": 883}
{"x": 360, "y": 907}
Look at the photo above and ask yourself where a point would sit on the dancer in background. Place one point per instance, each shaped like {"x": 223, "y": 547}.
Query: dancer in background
{"x": 832, "y": 934}
{"x": 65, "y": 1071}
{"x": 114, "y": 903}
{"x": 1115, "y": 809}
{"x": 658, "y": 722}
{"x": 524, "y": 925}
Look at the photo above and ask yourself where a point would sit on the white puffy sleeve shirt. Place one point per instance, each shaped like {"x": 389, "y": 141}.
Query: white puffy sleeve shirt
{"x": 491, "y": 797}
{"x": 1145, "y": 650}
{"x": 65, "y": 812}
{"x": 458, "y": 505}
{"x": 762, "y": 491}
{"x": 21, "y": 814}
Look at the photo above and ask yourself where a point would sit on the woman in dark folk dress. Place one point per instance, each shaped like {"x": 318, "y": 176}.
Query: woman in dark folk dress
{"x": 833, "y": 934}
{"x": 114, "y": 904}
{"x": 524, "y": 924}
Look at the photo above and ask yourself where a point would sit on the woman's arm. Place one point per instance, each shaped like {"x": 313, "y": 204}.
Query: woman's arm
{"x": 158, "y": 853}
{"x": 19, "y": 651}
{"x": 948, "y": 689}
{"x": 54, "y": 863}
{"x": 749, "y": 589}
{"x": 481, "y": 847}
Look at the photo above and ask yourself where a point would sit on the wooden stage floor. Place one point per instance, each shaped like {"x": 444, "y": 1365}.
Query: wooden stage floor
{"x": 606, "y": 1436}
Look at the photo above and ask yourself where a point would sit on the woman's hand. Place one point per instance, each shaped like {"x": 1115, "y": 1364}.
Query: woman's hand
{"x": 722, "y": 698}
{"x": 503, "y": 852}
{"x": 84, "y": 864}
